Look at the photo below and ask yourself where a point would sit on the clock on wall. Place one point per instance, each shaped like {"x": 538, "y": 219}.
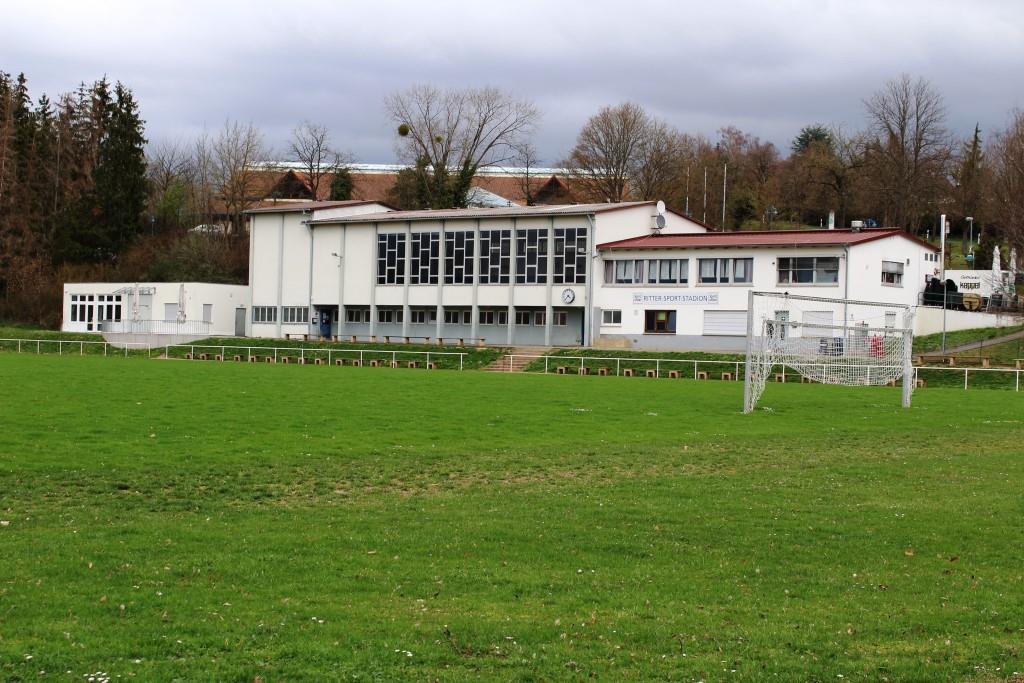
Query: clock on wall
{"x": 568, "y": 296}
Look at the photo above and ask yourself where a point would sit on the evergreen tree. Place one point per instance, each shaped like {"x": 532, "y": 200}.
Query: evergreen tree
{"x": 341, "y": 185}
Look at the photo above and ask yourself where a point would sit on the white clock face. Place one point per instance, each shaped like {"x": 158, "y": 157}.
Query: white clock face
{"x": 568, "y": 296}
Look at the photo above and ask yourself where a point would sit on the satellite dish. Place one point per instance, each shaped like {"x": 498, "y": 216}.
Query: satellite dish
{"x": 660, "y": 221}
{"x": 660, "y": 206}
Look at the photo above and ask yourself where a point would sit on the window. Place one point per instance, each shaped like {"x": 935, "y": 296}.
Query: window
{"x": 892, "y": 273}
{"x": 570, "y": 256}
{"x": 264, "y": 314}
{"x": 422, "y": 316}
{"x": 523, "y": 317}
{"x": 486, "y": 317}
{"x": 539, "y": 318}
{"x": 391, "y": 259}
{"x": 389, "y": 316}
{"x": 424, "y": 257}
{"x": 503, "y": 317}
{"x": 726, "y": 270}
{"x": 357, "y": 315}
{"x": 458, "y": 317}
{"x": 532, "y": 256}
{"x": 808, "y": 270}
{"x": 668, "y": 271}
{"x": 890, "y": 319}
{"x": 495, "y": 256}
{"x": 611, "y": 317}
{"x": 660, "y": 322}
{"x": 458, "y": 258}
{"x": 294, "y": 315}
{"x": 493, "y": 317}
{"x": 561, "y": 319}
{"x": 623, "y": 272}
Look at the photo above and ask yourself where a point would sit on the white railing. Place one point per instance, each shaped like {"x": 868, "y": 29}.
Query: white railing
{"x": 76, "y": 347}
{"x": 735, "y": 366}
{"x": 40, "y": 346}
{"x": 189, "y": 327}
{"x": 303, "y": 352}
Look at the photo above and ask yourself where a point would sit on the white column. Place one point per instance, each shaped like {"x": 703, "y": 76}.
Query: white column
{"x": 549, "y": 290}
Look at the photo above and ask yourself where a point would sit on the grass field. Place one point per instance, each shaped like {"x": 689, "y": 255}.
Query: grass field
{"x": 166, "y": 520}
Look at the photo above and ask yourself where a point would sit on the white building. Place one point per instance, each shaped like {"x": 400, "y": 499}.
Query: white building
{"x": 593, "y": 275}
{"x": 514, "y": 275}
{"x": 164, "y": 309}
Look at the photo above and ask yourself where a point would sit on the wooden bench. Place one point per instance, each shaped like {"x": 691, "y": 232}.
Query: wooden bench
{"x": 297, "y": 337}
{"x": 424, "y": 340}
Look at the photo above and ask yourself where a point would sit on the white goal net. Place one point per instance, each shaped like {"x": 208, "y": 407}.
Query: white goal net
{"x": 829, "y": 341}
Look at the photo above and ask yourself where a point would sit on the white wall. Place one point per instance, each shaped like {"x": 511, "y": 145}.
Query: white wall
{"x": 928, "y": 320}
{"x": 223, "y": 299}
{"x": 637, "y": 221}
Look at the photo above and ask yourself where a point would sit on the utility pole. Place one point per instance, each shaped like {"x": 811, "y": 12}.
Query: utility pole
{"x": 725, "y": 175}
{"x": 704, "y": 215}
{"x": 687, "y": 209}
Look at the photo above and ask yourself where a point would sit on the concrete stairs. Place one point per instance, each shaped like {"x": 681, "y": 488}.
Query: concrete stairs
{"x": 517, "y": 360}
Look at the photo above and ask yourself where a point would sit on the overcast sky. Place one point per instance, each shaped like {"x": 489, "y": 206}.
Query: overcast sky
{"x": 767, "y": 67}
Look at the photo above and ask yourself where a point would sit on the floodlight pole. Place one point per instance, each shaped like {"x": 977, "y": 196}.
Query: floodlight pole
{"x": 747, "y": 388}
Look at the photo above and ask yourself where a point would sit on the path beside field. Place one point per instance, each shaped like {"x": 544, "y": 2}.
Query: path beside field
{"x": 972, "y": 346}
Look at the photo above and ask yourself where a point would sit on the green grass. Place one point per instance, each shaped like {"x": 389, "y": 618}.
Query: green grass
{"x": 17, "y": 331}
{"x": 218, "y": 522}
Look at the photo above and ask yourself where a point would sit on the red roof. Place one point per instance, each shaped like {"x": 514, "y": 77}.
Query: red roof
{"x": 762, "y": 238}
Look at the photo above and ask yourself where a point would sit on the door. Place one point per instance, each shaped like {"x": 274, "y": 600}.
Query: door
{"x": 239, "y": 322}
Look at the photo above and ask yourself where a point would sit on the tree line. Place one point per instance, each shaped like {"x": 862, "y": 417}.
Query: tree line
{"x": 84, "y": 197}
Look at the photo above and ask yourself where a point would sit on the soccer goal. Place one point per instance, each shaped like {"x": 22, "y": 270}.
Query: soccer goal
{"x": 829, "y": 341}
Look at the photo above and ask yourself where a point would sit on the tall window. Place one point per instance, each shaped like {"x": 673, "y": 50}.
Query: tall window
{"x": 532, "y": 256}
{"x": 570, "y": 256}
{"x": 424, "y": 258}
{"x": 807, "y": 270}
{"x": 458, "y": 258}
{"x": 391, "y": 259}
{"x": 726, "y": 270}
{"x": 389, "y": 316}
{"x": 495, "y": 256}
{"x": 892, "y": 273}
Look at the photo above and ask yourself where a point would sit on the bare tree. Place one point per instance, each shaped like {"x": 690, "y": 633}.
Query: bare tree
{"x": 526, "y": 159}
{"x": 909, "y": 150}
{"x": 236, "y": 153}
{"x": 311, "y": 148}
{"x": 657, "y": 162}
{"x": 606, "y": 151}
{"x": 1006, "y": 156}
{"x": 451, "y": 134}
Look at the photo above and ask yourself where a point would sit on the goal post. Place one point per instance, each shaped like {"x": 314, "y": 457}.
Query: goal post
{"x": 828, "y": 341}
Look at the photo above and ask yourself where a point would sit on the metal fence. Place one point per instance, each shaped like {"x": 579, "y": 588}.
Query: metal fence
{"x": 173, "y": 327}
{"x": 1005, "y": 378}
{"x": 302, "y": 353}
{"x": 66, "y": 347}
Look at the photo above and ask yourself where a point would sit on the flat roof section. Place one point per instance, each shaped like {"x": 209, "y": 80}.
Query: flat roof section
{"x": 762, "y": 238}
